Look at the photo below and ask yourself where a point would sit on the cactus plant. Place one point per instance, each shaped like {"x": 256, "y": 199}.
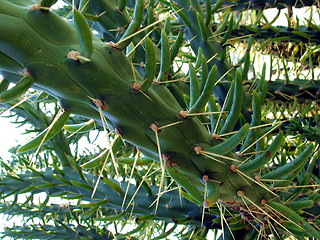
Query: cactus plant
{"x": 244, "y": 5}
{"x": 205, "y": 164}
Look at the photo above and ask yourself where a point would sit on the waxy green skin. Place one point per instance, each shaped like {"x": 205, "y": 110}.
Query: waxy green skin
{"x": 107, "y": 78}
{"x": 42, "y": 46}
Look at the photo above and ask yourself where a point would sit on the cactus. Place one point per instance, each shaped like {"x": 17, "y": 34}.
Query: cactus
{"x": 106, "y": 198}
{"x": 301, "y": 34}
{"x": 280, "y": 91}
{"x": 260, "y": 5}
{"x": 235, "y": 171}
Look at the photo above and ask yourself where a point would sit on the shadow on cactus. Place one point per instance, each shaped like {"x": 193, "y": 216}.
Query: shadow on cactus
{"x": 176, "y": 153}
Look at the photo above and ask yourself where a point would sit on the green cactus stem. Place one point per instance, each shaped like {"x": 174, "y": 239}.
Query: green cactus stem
{"x": 50, "y": 182}
{"x": 280, "y": 91}
{"x": 303, "y": 34}
{"x": 242, "y": 5}
{"x": 151, "y": 120}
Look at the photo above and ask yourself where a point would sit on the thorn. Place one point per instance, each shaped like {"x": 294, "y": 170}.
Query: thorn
{"x": 215, "y": 136}
{"x": 183, "y": 114}
{"x": 197, "y": 149}
{"x": 167, "y": 162}
{"x": 239, "y": 154}
{"x": 165, "y": 157}
{"x": 154, "y": 127}
{"x": 263, "y": 202}
{"x": 74, "y": 55}
{"x": 38, "y": 7}
{"x": 206, "y": 204}
{"x": 240, "y": 193}
{"x": 100, "y": 104}
{"x": 205, "y": 178}
{"x": 257, "y": 178}
{"x": 135, "y": 86}
{"x": 113, "y": 45}
{"x": 233, "y": 168}
{"x": 118, "y": 131}
{"x": 26, "y": 72}
{"x": 272, "y": 188}
{"x": 142, "y": 64}
{"x": 35, "y": 7}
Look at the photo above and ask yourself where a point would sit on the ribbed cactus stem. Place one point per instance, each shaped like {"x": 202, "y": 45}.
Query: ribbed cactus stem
{"x": 170, "y": 205}
{"x": 280, "y": 91}
{"x": 152, "y": 120}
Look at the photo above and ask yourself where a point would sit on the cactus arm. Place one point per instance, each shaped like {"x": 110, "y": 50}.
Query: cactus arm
{"x": 236, "y": 105}
{"x": 32, "y": 115}
{"x": 264, "y": 157}
{"x": 150, "y": 65}
{"x": 280, "y": 91}
{"x": 84, "y": 34}
{"x": 292, "y": 166}
{"x": 194, "y": 85}
{"x": 150, "y": 120}
{"x": 206, "y": 91}
{"x": 48, "y": 133}
{"x": 165, "y": 58}
{"x": 293, "y": 217}
{"x": 279, "y": 33}
{"x": 230, "y": 143}
{"x": 106, "y": 83}
{"x": 255, "y": 121}
{"x": 134, "y": 25}
{"x": 169, "y": 206}
{"x": 19, "y": 89}
{"x": 4, "y": 84}
{"x": 260, "y": 5}
{"x": 177, "y": 45}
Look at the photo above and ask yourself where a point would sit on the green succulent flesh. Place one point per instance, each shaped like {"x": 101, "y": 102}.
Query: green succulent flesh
{"x": 91, "y": 78}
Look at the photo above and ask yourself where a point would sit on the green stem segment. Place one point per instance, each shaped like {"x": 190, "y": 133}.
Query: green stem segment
{"x": 206, "y": 92}
{"x": 84, "y": 34}
{"x": 48, "y": 133}
{"x": 18, "y": 90}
